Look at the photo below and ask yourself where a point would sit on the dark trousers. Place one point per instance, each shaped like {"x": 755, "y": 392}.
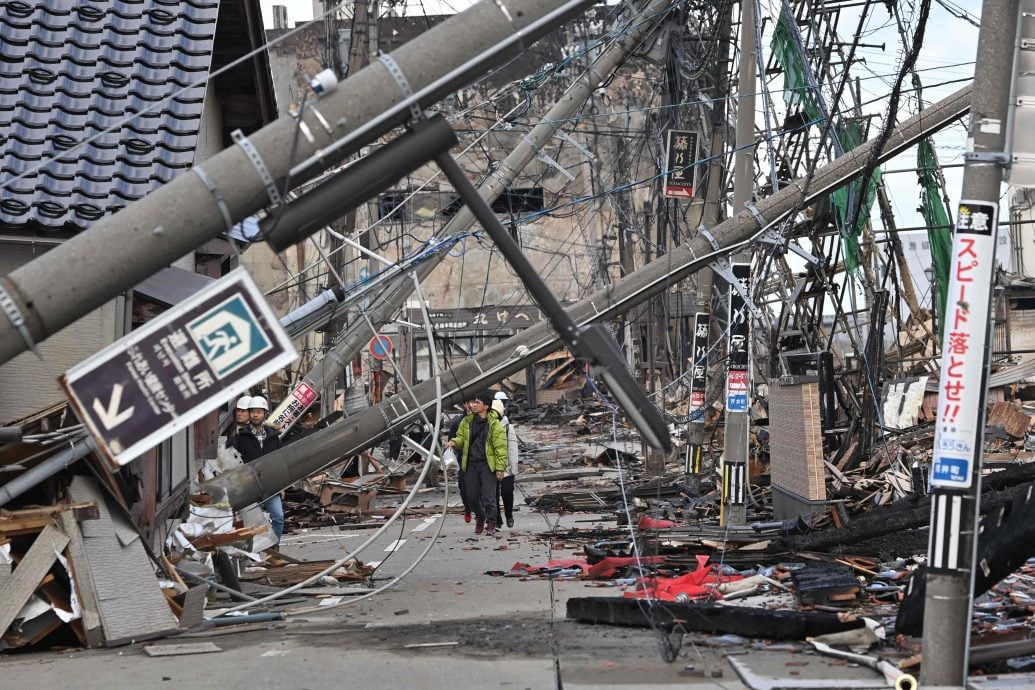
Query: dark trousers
{"x": 481, "y": 491}
{"x": 463, "y": 489}
{"x": 505, "y": 489}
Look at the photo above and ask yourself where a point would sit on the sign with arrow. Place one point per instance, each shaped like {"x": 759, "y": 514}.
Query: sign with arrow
{"x": 178, "y": 367}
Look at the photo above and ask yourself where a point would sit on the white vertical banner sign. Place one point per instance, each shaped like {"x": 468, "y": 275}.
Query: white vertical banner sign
{"x": 958, "y": 436}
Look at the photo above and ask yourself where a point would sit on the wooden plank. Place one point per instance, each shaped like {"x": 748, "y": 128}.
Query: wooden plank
{"x": 211, "y": 541}
{"x": 170, "y": 597}
{"x": 84, "y": 586}
{"x": 58, "y": 597}
{"x": 30, "y": 571}
{"x": 173, "y": 575}
{"x": 30, "y": 520}
{"x": 130, "y": 602}
{"x": 33, "y": 631}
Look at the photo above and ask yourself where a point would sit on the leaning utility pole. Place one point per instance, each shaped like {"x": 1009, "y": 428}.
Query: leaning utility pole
{"x": 738, "y": 350}
{"x": 708, "y": 217}
{"x": 386, "y": 304}
{"x": 271, "y": 473}
{"x": 43, "y": 296}
{"x": 963, "y": 386}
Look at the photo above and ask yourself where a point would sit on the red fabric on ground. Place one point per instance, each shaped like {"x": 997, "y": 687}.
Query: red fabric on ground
{"x": 655, "y": 523}
{"x": 607, "y": 567}
{"x": 698, "y": 584}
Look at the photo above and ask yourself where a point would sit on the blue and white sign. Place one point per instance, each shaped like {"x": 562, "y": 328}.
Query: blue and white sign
{"x": 737, "y": 402}
{"x": 949, "y": 470}
{"x": 178, "y": 367}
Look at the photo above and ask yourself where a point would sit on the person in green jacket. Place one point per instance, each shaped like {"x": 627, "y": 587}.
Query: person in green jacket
{"x": 482, "y": 442}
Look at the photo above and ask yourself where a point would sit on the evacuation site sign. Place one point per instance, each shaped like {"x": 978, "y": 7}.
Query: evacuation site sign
{"x": 681, "y": 164}
{"x": 178, "y": 367}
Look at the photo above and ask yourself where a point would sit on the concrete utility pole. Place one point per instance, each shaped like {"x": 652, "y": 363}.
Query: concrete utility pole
{"x": 963, "y": 386}
{"x": 71, "y": 280}
{"x": 738, "y": 351}
{"x": 271, "y": 473}
{"x": 708, "y": 217}
{"x": 328, "y": 367}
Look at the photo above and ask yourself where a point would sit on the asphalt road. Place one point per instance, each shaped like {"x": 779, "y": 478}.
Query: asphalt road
{"x": 453, "y": 622}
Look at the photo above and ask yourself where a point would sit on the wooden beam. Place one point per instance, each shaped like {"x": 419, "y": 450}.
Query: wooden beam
{"x": 30, "y": 571}
{"x": 84, "y": 586}
{"x": 29, "y": 520}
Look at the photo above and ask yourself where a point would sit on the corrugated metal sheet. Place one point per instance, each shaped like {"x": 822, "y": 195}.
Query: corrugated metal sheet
{"x": 71, "y": 69}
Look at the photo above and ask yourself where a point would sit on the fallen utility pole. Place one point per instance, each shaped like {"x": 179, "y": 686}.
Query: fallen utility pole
{"x": 293, "y": 229}
{"x": 44, "y": 296}
{"x": 966, "y": 349}
{"x": 329, "y": 366}
{"x": 271, "y": 473}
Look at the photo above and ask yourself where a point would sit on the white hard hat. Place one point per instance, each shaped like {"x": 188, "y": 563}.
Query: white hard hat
{"x": 244, "y": 402}
{"x": 500, "y": 395}
{"x": 259, "y": 402}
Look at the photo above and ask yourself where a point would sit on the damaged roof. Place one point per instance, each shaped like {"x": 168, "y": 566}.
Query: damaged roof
{"x": 68, "y": 71}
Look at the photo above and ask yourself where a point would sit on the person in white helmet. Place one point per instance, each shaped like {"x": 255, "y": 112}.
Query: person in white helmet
{"x": 505, "y": 487}
{"x": 255, "y": 440}
{"x": 241, "y": 413}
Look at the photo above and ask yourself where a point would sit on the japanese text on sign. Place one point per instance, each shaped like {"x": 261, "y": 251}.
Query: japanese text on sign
{"x": 699, "y": 360}
{"x": 963, "y": 353}
{"x": 681, "y": 164}
{"x": 178, "y": 367}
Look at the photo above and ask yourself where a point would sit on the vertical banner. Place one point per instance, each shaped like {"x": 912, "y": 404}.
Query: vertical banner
{"x": 293, "y": 407}
{"x": 680, "y": 164}
{"x": 957, "y": 439}
{"x": 699, "y": 361}
{"x": 737, "y": 384}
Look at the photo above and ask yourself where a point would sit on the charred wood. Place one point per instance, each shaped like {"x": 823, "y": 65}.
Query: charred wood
{"x": 737, "y": 620}
{"x": 1006, "y": 540}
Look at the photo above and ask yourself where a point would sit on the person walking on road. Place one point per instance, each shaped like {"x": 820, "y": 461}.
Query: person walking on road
{"x": 252, "y": 442}
{"x": 461, "y": 484}
{"x": 482, "y": 443}
{"x": 505, "y": 488}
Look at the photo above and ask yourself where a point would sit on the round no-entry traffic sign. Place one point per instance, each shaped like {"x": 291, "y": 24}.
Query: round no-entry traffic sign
{"x": 381, "y": 346}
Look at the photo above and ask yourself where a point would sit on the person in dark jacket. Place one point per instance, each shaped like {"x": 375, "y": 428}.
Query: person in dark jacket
{"x": 252, "y": 442}
{"x": 461, "y": 484}
{"x": 241, "y": 416}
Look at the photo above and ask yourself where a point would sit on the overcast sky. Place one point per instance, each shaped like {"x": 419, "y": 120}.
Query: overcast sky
{"x": 302, "y": 10}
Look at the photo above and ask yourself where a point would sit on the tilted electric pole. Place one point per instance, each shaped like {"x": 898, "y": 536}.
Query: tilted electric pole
{"x": 78, "y": 276}
{"x": 271, "y": 473}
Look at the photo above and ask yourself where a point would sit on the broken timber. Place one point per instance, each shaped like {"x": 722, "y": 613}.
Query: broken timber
{"x": 272, "y": 473}
{"x": 1006, "y": 539}
{"x": 736, "y": 620}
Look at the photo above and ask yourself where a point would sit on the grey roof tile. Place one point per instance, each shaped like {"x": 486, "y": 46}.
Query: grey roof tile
{"x": 70, "y": 69}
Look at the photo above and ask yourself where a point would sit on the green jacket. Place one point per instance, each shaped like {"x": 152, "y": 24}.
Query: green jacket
{"x": 495, "y": 442}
